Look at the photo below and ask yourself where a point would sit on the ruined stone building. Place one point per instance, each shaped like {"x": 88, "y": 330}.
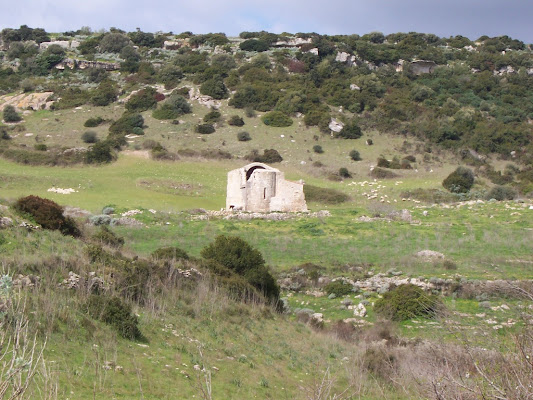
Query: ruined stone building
{"x": 257, "y": 187}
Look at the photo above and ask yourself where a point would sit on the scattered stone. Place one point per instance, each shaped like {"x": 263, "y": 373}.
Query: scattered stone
{"x": 5, "y": 222}
{"x": 360, "y": 311}
{"x": 430, "y": 255}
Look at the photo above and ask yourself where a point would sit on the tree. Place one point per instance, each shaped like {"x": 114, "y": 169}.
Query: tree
{"x": 114, "y": 43}
{"x": 11, "y": 115}
{"x": 350, "y": 131}
{"x": 215, "y": 88}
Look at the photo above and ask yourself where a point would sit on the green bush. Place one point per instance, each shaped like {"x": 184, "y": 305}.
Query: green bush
{"x": 107, "y": 236}
{"x": 324, "y": 195}
{"x": 126, "y": 123}
{"x": 238, "y": 256}
{"x": 254, "y": 45}
{"x": 243, "y": 137}
{"x": 350, "y": 131}
{"x": 459, "y": 181}
{"x": 89, "y": 137}
{"x": 355, "y": 156}
{"x": 318, "y": 149}
{"x": 212, "y": 116}
{"x": 11, "y": 115}
{"x": 47, "y": 213}
{"x": 105, "y": 94}
{"x": 501, "y": 193}
{"x": 115, "y": 312}
{"x": 100, "y": 152}
{"x": 407, "y": 301}
{"x": 142, "y": 100}
{"x": 215, "y": 88}
{"x": 277, "y": 119}
{"x": 205, "y": 129}
{"x": 40, "y": 147}
{"x": 165, "y": 112}
{"x": 269, "y": 156}
{"x": 137, "y": 131}
{"x": 170, "y": 253}
{"x": 93, "y": 122}
{"x": 235, "y": 120}
{"x": 338, "y": 288}
{"x": 344, "y": 173}
{"x": 380, "y": 173}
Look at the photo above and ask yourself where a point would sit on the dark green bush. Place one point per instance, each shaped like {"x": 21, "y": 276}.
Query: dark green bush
{"x": 212, "y": 116}
{"x": 89, "y": 137}
{"x": 235, "y": 120}
{"x": 126, "y": 123}
{"x": 238, "y": 256}
{"x": 380, "y": 173}
{"x": 142, "y": 100}
{"x": 105, "y": 94}
{"x": 350, "y": 131}
{"x": 115, "y": 312}
{"x": 137, "y": 131}
{"x": 93, "y": 122}
{"x": 40, "y": 147}
{"x": 344, "y": 173}
{"x": 406, "y": 302}
{"x": 215, "y": 88}
{"x": 383, "y": 162}
{"x": 269, "y": 156}
{"x": 254, "y": 45}
{"x": 355, "y": 156}
{"x": 170, "y": 253}
{"x": 11, "y": 115}
{"x": 459, "y": 181}
{"x": 100, "y": 152}
{"x": 318, "y": 149}
{"x": 243, "y": 137}
{"x": 501, "y": 193}
{"x": 205, "y": 129}
{"x": 324, "y": 195}
{"x": 107, "y": 236}
{"x": 338, "y": 288}
{"x": 277, "y": 119}
{"x": 47, "y": 213}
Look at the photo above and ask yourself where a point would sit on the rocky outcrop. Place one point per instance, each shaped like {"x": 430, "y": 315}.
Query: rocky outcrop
{"x": 420, "y": 67}
{"x": 27, "y": 101}
{"x": 66, "y": 44}
{"x": 293, "y": 42}
{"x": 207, "y": 101}
{"x": 175, "y": 44}
{"x": 335, "y": 126}
{"x": 71, "y": 63}
{"x": 346, "y": 58}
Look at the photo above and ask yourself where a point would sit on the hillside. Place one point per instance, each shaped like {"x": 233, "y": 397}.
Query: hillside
{"x": 121, "y": 277}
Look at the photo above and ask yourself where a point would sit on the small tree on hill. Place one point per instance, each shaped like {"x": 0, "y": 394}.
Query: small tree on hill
{"x": 459, "y": 181}
{"x": 11, "y": 115}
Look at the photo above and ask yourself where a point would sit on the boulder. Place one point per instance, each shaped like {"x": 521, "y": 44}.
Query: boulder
{"x": 359, "y": 311}
{"x": 335, "y": 126}
{"x": 5, "y": 222}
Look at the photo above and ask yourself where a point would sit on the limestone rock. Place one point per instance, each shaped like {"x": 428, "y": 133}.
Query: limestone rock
{"x": 5, "y": 222}
{"x": 335, "y": 126}
{"x": 430, "y": 255}
{"x": 360, "y": 311}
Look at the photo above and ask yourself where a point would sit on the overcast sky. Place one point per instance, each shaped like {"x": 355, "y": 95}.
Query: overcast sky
{"x": 471, "y": 18}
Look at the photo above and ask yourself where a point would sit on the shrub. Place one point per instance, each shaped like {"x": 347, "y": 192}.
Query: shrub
{"x": 355, "y": 156}
{"x": 137, "y": 131}
{"x": 254, "y": 45}
{"x": 238, "y": 256}
{"x": 212, "y": 116}
{"x": 98, "y": 220}
{"x": 215, "y": 88}
{"x": 48, "y": 214}
{"x": 40, "y": 147}
{"x": 249, "y": 112}
{"x": 501, "y": 193}
{"x": 324, "y": 195}
{"x": 318, "y": 149}
{"x": 170, "y": 253}
{"x": 142, "y": 100}
{"x": 89, "y": 137}
{"x": 350, "y": 131}
{"x": 93, "y": 122}
{"x": 277, "y": 119}
{"x": 107, "y": 236}
{"x": 405, "y": 302}
{"x": 380, "y": 173}
{"x": 105, "y": 94}
{"x": 383, "y": 162}
{"x": 100, "y": 152}
{"x": 235, "y": 120}
{"x": 459, "y": 181}
{"x": 11, "y": 115}
{"x": 269, "y": 156}
{"x": 338, "y": 288}
{"x": 205, "y": 129}
{"x": 115, "y": 312}
{"x": 114, "y": 43}
{"x": 243, "y": 137}
{"x": 126, "y": 123}
{"x": 344, "y": 173}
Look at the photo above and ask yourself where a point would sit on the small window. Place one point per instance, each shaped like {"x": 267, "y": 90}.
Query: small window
{"x": 264, "y": 193}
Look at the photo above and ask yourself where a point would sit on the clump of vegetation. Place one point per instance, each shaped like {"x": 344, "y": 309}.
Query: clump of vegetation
{"x": 235, "y": 120}
{"x": 11, "y": 115}
{"x": 114, "y": 311}
{"x": 126, "y": 123}
{"x": 100, "y": 152}
{"x": 243, "y": 137}
{"x": 107, "y": 236}
{"x": 324, "y": 195}
{"x": 459, "y": 181}
{"x": 380, "y": 173}
{"x": 344, "y": 173}
{"x": 212, "y": 117}
{"x": 318, "y": 149}
{"x": 46, "y": 213}
{"x": 89, "y": 137}
{"x": 501, "y": 193}
{"x": 406, "y": 302}
{"x": 170, "y": 253}
{"x": 173, "y": 107}
{"x": 269, "y": 156}
{"x": 338, "y": 288}
{"x": 204, "y": 129}
{"x": 355, "y": 156}
{"x": 93, "y": 122}
{"x": 236, "y": 255}
{"x": 142, "y": 100}
{"x": 350, "y": 130}
{"x": 40, "y": 147}
{"x": 277, "y": 119}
